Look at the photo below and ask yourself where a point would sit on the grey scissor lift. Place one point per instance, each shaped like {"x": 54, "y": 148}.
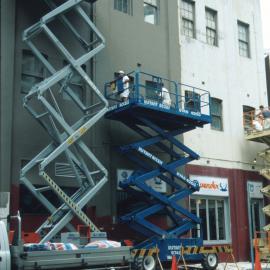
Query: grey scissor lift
{"x": 43, "y": 103}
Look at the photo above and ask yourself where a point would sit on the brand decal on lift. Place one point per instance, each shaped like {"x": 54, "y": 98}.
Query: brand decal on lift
{"x": 149, "y": 155}
{"x": 196, "y": 113}
{"x": 156, "y": 104}
{"x": 191, "y": 182}
{"x": 122, "y": 104}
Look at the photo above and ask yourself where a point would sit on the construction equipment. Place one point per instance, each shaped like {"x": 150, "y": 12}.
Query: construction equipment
{"x": 257, "y": 130}
{"x": 261, "y": 136}
{"x": 145, "y": 112}
{"x": 159, "y": 125}
{"x": 43, "y": 104}
{"x": 16, "y": 257}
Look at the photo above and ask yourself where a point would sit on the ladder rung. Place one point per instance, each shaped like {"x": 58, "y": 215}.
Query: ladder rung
{"x": 43, "y": 189}
{"x": 95, "y": 172}
{"x": 69, "y": 202}
{"x": 42, "y": 115}
{"x": 32, "y": 31}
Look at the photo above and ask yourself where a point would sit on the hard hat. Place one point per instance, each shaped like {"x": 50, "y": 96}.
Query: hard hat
{"x": 121, "y": 72}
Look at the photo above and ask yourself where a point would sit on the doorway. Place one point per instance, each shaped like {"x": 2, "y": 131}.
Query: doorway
{"x": 257, "y": 216}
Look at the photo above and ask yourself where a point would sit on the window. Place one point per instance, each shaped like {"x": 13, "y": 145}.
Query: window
{"x": 216, "y": 114}
{"x": 211, "y": 27}
{"x": 248, "y": 117}
{"x": 124, "y": 6}
{"x": 151, "y": 8}
{"x": 214, "y": 215}
{"x": 243, "y": 39}
{"x": 187, "y": 14}
{"x": 33, "y": 71}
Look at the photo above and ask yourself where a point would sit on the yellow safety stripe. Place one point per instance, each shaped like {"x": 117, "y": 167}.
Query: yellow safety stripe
{"x": 69, "y": 202}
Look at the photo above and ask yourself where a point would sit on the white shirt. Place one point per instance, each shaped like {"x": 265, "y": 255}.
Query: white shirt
{"x": 165, "y": 95}
{"x": 126, "y": 91}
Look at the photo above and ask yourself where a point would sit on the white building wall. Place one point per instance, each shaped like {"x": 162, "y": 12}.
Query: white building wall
{"x": 228, "y": 76}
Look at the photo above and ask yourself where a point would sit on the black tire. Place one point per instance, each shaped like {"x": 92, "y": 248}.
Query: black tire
{"x": 137, "y": 264}
{"x": 210, "y": 261}
{"x": 144, "y": 263}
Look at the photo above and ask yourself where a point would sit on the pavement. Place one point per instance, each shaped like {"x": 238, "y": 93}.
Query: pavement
{"x": 233, "y": 266}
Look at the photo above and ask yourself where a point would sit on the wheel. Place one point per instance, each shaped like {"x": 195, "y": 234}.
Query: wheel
{"x": 149, "y": 263}
{"x": 210, "y": 261}
{"x": 146, "y": 263}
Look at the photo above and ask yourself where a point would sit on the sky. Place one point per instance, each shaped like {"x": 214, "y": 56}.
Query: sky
{"x": 265, "y": 7}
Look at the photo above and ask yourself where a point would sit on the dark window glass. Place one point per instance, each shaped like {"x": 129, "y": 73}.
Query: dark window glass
{"x": 216, "y": 114}
{"x": 188, "y": 18}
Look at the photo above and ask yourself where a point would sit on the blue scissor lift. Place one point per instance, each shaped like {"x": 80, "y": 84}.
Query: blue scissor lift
{"x": 159, "y": 125}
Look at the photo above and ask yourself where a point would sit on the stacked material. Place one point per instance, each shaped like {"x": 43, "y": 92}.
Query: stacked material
{"x": 49, "y": 246}
{"x": 69, "y": 246}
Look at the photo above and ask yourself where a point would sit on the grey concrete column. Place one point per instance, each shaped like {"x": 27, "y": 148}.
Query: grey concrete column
{"x": 7, "y": 42}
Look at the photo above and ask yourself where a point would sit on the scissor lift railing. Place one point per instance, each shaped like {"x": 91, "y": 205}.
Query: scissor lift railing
{"x": 258, "y": 130}
{"x": 45, "y": 103}
{"x": 159, "y": 126}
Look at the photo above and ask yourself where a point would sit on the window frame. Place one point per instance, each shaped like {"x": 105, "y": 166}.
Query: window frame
{"x": 117, "y": 7}
{"x": 156, "y": 7}
{"x": 208, "y": 27}
{"x": 185, "y": 19}
{"x": 216, "y": 115}
{"x": 241, "y": 41}
{"x": 248, "y": 115}
{"x": 30, "y": 74}
{"x": 226, "y": 217}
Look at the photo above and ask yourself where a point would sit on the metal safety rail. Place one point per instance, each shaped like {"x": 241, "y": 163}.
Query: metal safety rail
{"x": 257, "y": 129}
{"x": 147, "y": 88}
{"x": 65, "y": 126}
{"x": 160, "y": 127}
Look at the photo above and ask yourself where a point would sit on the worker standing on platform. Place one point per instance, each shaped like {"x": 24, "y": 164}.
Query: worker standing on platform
{"x": 264, "y": 117}
{"x": 123, "y": 85}
{"x": 165, "y": 96}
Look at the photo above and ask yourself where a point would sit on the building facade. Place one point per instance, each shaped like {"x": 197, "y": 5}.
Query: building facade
{"x": 267, "y": 70}
{"x": 221, "y": 51}
{"x": 213, "y": 45}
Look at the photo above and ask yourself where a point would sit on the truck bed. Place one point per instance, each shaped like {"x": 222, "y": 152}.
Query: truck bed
{"x": 71, "y": 259}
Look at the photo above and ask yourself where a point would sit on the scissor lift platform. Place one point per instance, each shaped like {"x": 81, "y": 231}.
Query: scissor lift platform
{"x": 159, "y": 124}
{"x": 166, "y": 118}
{"x": 189, "y": 105}
{"x": 259, "y": 136}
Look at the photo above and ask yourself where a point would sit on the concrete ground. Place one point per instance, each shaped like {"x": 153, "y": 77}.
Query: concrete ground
{"x": 233, "y": 266}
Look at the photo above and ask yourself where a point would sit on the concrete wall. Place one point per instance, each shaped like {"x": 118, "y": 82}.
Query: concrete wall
{"x": 228, "y": 76}
{"x": 7, "y": 26}
{"x": 130, "y": 40}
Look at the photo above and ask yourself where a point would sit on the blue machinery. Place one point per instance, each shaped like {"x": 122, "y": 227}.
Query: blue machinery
{"x": 159, "y": 125}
